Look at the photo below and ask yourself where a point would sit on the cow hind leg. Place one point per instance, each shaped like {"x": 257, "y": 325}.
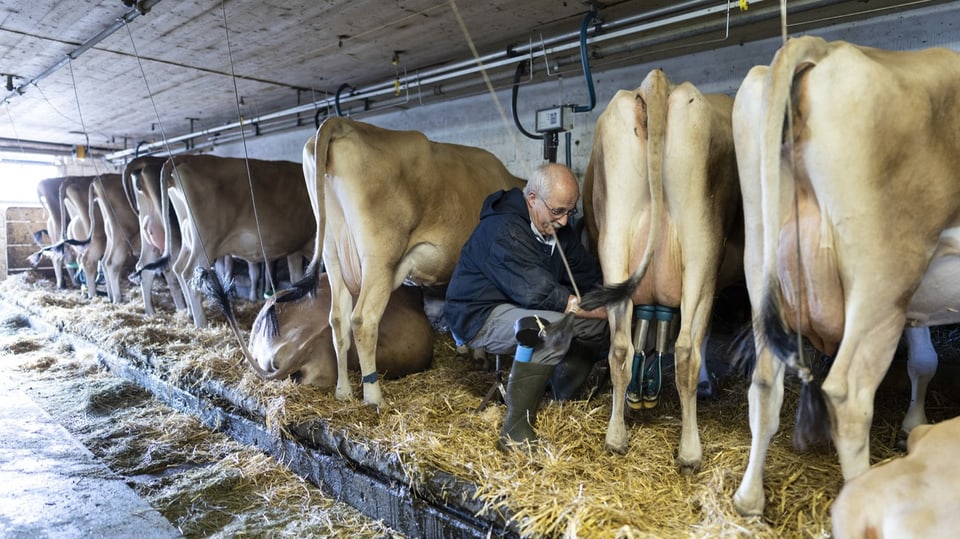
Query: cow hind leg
{"x": 183, "y": 268}
{"x": 621, "y": 370}
{"x": 921, "y": 366}
{"x": 688, "y": 358}
{"x": 146, "y": 290}
{"x": 256, "y": 286}
{"x": 849, "y": 389}
{"x": 341, "y": 304}
{"x": 765, "y": 398}
{"x": 365, "y": 322}
{"x": 176, "y": 293}
{"x": 295, "y": 267}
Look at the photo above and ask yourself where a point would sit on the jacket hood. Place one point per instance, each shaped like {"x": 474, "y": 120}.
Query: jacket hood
{"x": 505, "y": 202}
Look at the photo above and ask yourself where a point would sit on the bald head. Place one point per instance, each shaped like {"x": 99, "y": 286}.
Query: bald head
{"x": 553, "y": 179}
{"x": 551, "y": 194}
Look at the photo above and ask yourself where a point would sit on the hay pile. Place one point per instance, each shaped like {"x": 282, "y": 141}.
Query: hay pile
{"x": 573, "y": 488}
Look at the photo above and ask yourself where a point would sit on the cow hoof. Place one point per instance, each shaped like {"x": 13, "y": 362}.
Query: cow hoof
{"x": 745, "y": 508}
{"x": 901, "y": 442}
{"x": 705, "y": 390}
{"x": 688, "y": 468}
{"x": 618, "y": 449}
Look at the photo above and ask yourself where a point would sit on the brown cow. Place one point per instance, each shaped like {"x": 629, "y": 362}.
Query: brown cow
{"x": 219, "y": 215}
{"x": 84, "y": 233}
{"x": 863, "y": 185}
{"x": 120, "y": 226}
{"x": 48, "y": 191}
{"x": 665, "y": 208}
{"x": 391, "y": 207}
{"x": 141, "y": 183}
{"x": 404, "y": 343}
{"x": 915, "y": 496}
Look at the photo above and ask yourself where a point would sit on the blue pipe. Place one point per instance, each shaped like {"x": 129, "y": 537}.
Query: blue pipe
{"x": 585, "y": 62}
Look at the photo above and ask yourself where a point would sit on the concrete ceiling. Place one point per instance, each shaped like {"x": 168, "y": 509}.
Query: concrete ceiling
{"x": 108, "y": 75}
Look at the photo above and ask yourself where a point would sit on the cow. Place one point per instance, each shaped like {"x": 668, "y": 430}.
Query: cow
{"x": 84, "y": 233}
{"x": 223, "y": 212}
{"x": 911, "y": 496}
{"x": 121, "y": 230}
{"x": 306, "y": 352}
{"x": 664, "y": 205}
{"x": 391, "y": 207}
{"x": 848, "y": 160}
{"x": 141, "y": 183}
{"x": 48, "y": 191}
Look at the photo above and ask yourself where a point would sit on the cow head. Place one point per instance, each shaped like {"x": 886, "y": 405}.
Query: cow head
{"x": 293, "y": 337}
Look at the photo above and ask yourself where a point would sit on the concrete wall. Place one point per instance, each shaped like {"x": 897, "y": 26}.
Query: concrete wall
{"x": 476, "y": 121}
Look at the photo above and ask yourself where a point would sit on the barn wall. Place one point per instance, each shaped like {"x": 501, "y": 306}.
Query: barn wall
{"x": 476, "y": 120}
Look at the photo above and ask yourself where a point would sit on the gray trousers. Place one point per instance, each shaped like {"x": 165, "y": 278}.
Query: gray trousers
{"x": 496, "y": 336}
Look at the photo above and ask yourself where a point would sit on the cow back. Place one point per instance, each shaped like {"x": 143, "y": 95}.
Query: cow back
{"x": 387, "y": 192}
{"x": 265, "y": 212}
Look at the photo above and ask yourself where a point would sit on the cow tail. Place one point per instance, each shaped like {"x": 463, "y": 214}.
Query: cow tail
{"x": 208, "y": 283}
{"x": 302, "y": 288}
{"x": 126, "y": 181}
{"x": 813, "y": 424}
{"x": 63, "y": 207}
{"x": 34, "y": 259}
{"x": 314, "y": 174}
{"x": 652, "y": 100}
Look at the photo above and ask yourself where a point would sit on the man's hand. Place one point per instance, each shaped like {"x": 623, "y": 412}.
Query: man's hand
{"x": 573, "y": 306}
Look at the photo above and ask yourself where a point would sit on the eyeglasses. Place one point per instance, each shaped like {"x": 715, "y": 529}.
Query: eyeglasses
{"x": 558, "y": 212}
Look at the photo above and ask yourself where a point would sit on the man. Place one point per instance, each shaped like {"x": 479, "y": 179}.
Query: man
{"x": 511, "y": 269}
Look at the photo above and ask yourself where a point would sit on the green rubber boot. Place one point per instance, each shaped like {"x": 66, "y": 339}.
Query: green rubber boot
{"x": 525, "y": 388}
{"x": 570, "y": 377}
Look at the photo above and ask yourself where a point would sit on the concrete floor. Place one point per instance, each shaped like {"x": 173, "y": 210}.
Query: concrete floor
{"x": 52, "y": 486}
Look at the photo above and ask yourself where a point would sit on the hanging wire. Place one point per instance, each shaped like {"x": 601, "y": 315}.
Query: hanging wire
{"x": 246, "y": 157}
{"x": 98, "y": 179}
{"x": 163, "y": 137}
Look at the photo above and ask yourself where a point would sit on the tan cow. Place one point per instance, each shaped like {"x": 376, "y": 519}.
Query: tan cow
{"x": 664, "y": 206}
{"x": 391, "y": 207}
{"x": 141, "y": 183}
{"x": 915, "y": 496}
{"x": 868, "y": 168}
{"x": 404, "y": 342}
{"x": 48, "y": 191}
{"x": 84, "y": 232}
{"x": 121, "y": 230}
{"x": 219, "y": 215}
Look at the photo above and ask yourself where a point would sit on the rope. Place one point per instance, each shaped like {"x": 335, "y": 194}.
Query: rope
{"x": 483, "y": 71}
{"x": 569, "y": 273}
{"x": 246, "y": 157}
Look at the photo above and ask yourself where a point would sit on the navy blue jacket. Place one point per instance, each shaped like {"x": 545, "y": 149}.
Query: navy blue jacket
{"x": 504, "y": 262}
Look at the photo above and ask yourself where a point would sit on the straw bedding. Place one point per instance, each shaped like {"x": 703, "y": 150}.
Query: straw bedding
{"x": 572, "y": 487}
